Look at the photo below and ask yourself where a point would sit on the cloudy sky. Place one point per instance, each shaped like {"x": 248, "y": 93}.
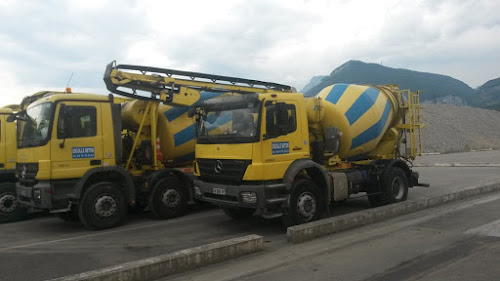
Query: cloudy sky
{"x": 284, "y": 41}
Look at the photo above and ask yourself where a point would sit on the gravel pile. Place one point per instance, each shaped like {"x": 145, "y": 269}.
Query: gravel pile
{"x": 452, "y": 129}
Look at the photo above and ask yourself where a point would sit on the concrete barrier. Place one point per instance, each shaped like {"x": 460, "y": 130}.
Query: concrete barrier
{"x": 458, "y": 165}
{"x": 305, "y": 232}
{"x": 177, "y": 262}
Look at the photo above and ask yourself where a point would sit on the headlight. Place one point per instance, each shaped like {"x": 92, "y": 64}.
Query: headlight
{"x": 37, "y": 194}
{"x": 249, "y": 197}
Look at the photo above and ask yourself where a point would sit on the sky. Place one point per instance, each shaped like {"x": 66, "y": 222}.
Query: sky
{"x": 44, "y": 43}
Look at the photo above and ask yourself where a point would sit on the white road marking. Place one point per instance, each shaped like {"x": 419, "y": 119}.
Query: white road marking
{"x": 490, "y": 229}
{"x": 183, "y": 220}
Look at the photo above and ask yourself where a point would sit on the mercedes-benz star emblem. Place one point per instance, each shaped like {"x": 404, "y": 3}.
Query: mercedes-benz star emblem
{"x": 218, "y": 167}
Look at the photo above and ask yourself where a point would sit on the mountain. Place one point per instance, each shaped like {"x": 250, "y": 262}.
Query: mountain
{"x": 314, "y": 81}
{"x": 435, "y": 88}
{"x": 489, "y": 94}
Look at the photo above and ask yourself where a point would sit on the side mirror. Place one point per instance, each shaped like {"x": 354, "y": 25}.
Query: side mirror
{"x": 192, "y": 112}
{"x": 11, "y": 118}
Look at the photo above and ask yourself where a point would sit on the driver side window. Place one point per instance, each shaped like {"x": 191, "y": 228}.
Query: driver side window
{"x": 76, "y": 122}
{"x": 280, "y": 119}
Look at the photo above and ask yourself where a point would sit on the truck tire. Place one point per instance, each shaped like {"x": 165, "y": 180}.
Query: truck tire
{"x": 69, "y": 216}
{"x": 238, "y": 213}
{"x": 102, "y": 206}
{"x": 394, "y": 188}
{"x": 305, "y": 205}
{"x": 10, "y": 209}
{"x": 168, "y": 198}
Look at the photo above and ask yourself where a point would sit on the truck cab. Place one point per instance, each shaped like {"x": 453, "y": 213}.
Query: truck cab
{"x": 61, "y": 138}
{"x": 9, "y": 209}
{"x": 7, "y": 145}
{"x": 244, "y": 171}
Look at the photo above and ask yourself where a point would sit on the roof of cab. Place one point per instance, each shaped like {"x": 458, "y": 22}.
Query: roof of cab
{"x": 59, "y": 96}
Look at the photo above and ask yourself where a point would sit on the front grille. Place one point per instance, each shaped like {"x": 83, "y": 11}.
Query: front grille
{"x": 26, "y": 173}
{"x": 221, "y": 197}
{"x": 222, "y": 170}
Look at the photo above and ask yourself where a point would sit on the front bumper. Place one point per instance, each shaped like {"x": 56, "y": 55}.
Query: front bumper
{"x": 38, "y": 196}
{"x": 48, "y": 195}
{"x": 233, "y": 195}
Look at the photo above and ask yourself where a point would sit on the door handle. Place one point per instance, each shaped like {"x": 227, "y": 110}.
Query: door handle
{"x": 95, "y": 162}
{"x": 297, "y": 148}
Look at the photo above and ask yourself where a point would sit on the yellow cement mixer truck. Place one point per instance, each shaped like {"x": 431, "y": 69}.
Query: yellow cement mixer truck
{"x": 284, "y": 155}
{"x": 88, "y": 157}
{"x": 10, "y": 210}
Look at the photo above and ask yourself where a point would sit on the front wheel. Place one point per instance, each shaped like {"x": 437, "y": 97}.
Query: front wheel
{"x": 102, "y": 206}
{"x": 394, "y": 188}
{"x": 10, "y": 209}
{"x": 305, "y": 203}
{"x": 168, "y": 198}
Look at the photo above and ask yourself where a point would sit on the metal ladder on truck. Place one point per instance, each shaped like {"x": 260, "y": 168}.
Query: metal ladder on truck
{"x": 411, "y": 127}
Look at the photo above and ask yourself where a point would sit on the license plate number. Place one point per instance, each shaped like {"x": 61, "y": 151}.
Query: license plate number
{"x": 218, "y": 190}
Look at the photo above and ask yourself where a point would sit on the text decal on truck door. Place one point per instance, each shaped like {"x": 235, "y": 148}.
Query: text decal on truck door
{"x": 280, "y": 147}
{"x": 83, "y": 152}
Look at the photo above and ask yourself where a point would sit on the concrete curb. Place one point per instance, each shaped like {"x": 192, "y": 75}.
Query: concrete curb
{"x": 309, "y": 231}
{"x": 177, "y": 262}
{"x": 458, "y": 165}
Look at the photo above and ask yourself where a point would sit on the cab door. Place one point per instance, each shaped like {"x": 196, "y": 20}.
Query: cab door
{"x": 282, "y": 139}
{"x": 76, "y": 145}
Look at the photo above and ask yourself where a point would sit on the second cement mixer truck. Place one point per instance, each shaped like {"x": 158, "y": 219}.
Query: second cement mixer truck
{"x": 88, "y": 157}
{"x": 10, "y": 210}
{"x": 284, "y": 155}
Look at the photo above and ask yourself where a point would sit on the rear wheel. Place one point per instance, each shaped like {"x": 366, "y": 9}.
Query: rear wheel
{"x": 168, "y": 198}
{"x": 305, "y": 205}
{"x": 238, "y": 213}
{"x": 102, "y": 206}
{"x": 394, "y": 188}
{"x": 10, "y": 209}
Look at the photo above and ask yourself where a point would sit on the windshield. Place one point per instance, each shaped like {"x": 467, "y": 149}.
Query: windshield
{"x": 33, "y": 125}
{"x": 230, "y": 125}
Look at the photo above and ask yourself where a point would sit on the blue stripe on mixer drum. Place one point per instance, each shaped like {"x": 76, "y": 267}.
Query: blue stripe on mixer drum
{"x": 336, "y": 92}
{"x": 177, "y": 112}
{"x": 374, "y": 131}
{"x": 364, "y": 102}
{"x": 189, "y": 133}
{"x": 185, "y": 135}
{"x": 221, "y": 120}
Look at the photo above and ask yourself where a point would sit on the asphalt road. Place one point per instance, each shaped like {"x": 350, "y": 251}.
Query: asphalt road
{"x": 458, "y": 241}
{"x": 45, "y": 247}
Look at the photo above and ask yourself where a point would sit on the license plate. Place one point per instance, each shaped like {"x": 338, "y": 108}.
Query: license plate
{"x": 218, "y": 190}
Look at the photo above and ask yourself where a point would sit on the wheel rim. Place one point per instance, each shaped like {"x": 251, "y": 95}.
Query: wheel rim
{"x": 171, "y": 198}
{"x": 397, "y": 187}
{"x": 8, "y": 203}
{"x": 306, "y": 206}
{"x": 105, "y": 206}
